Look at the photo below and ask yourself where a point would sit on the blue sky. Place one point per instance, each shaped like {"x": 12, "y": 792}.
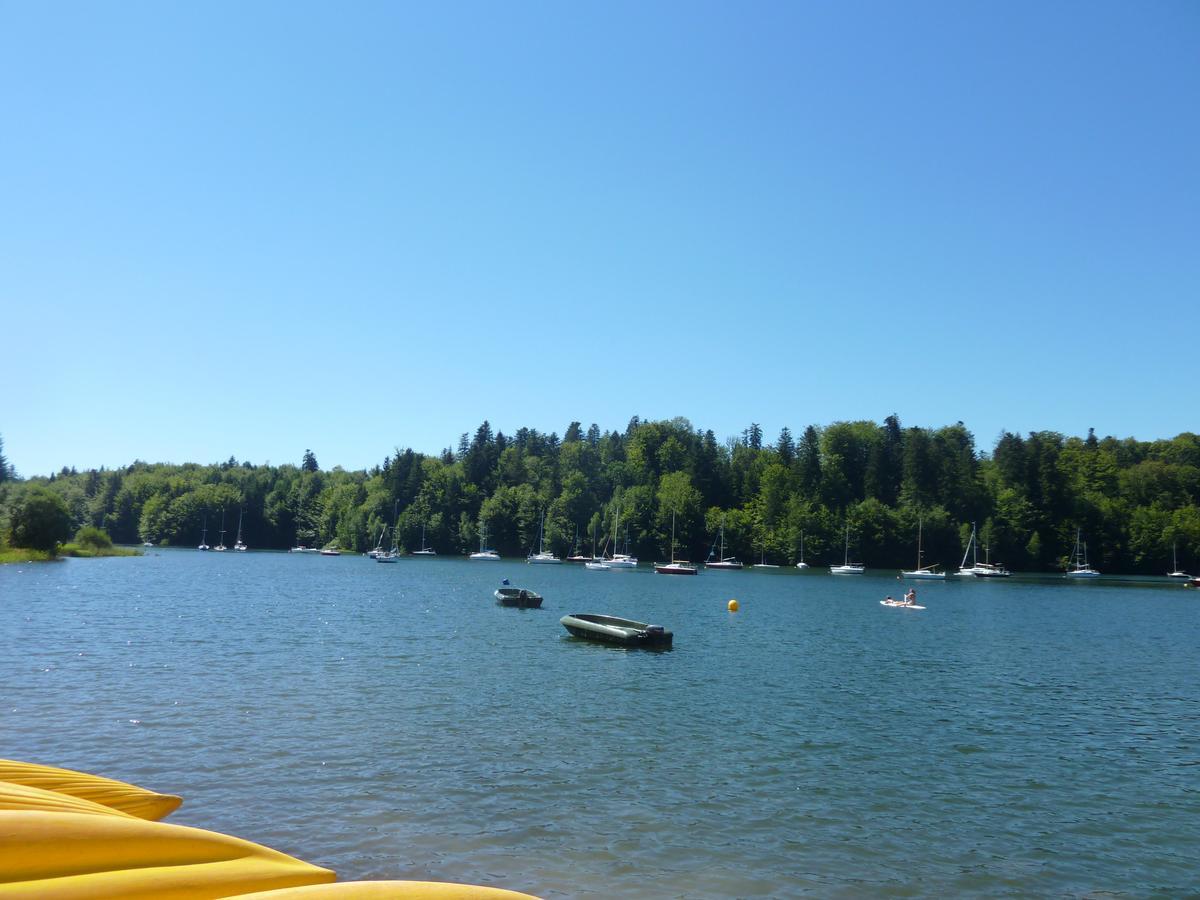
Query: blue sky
{"x": 248, "y": 229}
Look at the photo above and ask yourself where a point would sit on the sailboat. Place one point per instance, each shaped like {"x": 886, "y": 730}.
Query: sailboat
{"x": 394, "y": 554}
{"x": 543, "y": 557}
{"x": 576, "y": 556}
{"x": 762, "y": 563}
{"x": 221, "y": 543}
{"x": 204, "y": 536}
{"x": 485, "y": 552}
{"x": 1175, "y": 571}
{"x": 376, "y": 551}
{"x": 1078, "y": 566}
{"x": 675, "y": 566}
{"x": 847, "y": 567}
{"x": 802, "y": 564}
{"x": 973, "y": 551}
{"x": 621, "y": 560}
{"x": 238, "y": 545}
{"x": 722, "y": 561}
{"x": 424, "y": 551}
{"x": 596, "y": 563}
{"x": 923, "y": 572}
{"x": 989, "y": 569}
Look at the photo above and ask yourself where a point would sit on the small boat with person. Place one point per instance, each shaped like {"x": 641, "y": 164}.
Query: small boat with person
{"x": 518, "y": 598}
{"x": 614, "y": 630}
{"x": 909, "y": 601}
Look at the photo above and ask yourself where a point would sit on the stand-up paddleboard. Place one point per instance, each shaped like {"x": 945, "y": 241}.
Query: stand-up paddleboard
{"x": 899, "y": 603}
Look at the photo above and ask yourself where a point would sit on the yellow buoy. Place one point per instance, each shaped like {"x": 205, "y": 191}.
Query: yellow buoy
{"x": 733, "y": 606}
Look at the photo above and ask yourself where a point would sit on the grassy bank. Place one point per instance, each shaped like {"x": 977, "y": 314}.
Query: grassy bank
{"x": 87, "y": 551}
{"x": 21, "y": 555}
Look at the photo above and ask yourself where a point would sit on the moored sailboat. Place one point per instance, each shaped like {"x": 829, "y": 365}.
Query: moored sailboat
{"x": 621, "y": 560}
{"x": 675, "y": 566}
{"x": 1078, "y": 566}
{"x": 721, "y": 561}
{"x": 1175, "y": 570}
{"x": 847, "y": 567}
{"x": 543, "y": 557}
{"x": 425, "y": 550}
{"x": 485, "y": 552}
{"x": 239, "y": 545}
{"x": 221, "y": 548}
{"x": 921, "y": 572}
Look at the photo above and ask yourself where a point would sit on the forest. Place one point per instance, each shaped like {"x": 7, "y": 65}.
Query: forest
{"x": 1135, "y": 502}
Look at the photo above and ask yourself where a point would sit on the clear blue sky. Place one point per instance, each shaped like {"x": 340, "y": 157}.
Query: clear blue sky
{"x": 250, "y": 228}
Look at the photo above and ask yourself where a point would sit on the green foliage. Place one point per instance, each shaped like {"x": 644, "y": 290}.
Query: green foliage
{"x": 93, "y": 537}
{"x": 39, "y": 520}
{"x": 1135, "y": 501}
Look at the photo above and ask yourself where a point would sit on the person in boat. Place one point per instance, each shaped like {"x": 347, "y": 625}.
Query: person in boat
{"x": 911, "y": 597}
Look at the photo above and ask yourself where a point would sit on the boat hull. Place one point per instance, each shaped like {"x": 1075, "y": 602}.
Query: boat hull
{"x": 674, "y": 569}
{"x": 518, "y": 598}
{"x": 617, "y": 631}
{"x": 724, "y": 564}
{"x": 847, "y": 570}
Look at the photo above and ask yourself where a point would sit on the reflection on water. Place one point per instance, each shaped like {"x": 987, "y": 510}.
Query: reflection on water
{"x": 1029, "y": 736}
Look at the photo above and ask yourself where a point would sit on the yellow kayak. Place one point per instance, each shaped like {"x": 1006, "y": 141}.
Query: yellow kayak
{"x": 20, "y": 797}
{"x": 390, "y": 890}
{"x": 74, "y": 856}
{"x": 127, "y": 798}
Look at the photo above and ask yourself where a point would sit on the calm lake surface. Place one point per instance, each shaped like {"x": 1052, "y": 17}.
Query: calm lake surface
{"x": 390, "y": 721}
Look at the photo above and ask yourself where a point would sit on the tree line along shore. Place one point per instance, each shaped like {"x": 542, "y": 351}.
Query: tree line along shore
{"x": 1136, "y": 502}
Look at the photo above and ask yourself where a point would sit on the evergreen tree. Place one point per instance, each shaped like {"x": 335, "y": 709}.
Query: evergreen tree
{"x": 309, "y": 463}
{"x": 785, "y": 446}
{"x": 7, "y": 472}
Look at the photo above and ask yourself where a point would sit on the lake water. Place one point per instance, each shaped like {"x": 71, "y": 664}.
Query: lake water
{"x": 1023, "y": 737}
